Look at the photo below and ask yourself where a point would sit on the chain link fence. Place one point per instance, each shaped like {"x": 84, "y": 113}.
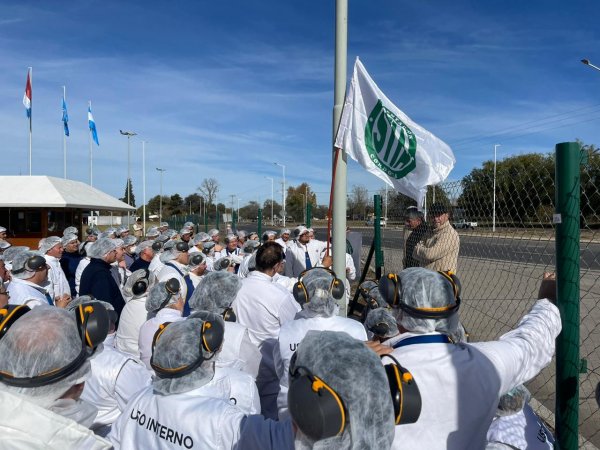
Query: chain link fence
{"x": 506, "y": 243}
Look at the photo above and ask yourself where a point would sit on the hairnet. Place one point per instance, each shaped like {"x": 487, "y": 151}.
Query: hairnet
{"x": 213, "y": 232}
{"x": 152, "y": 232}
{"x": 163, "y": 238}
{"x": 129, "y": 241}
{"x": 143, "y": 246}
{"x": 164, "y": 224}
{"x": 10, "y": 253}
{"x": 250, "y": 246}
{"x": 222, "y": 263}
{"x": 120, "y": 230}
{"x": 201, "y": 237}
{"x": 196, "y": 259}
{"x": 215, "y": 292}
{"x": 356, "y": 374}
{"x": 157, "y": 295}
{"x": 92, "y": 231}
{"x": 2, "y": 230}
{"x": 119, "y": 242}
{"x": 179, "y": 346}
{"x": 252, "y": 234}
{"x": 168, "y": 234}
{"x": 252, "y": 262}
{"x": 110, "y": 231}
{"x": 241, "y": 234}
{"x": 70, "y": 230}
{"x": 371, "y": 288}
{"x": 284, "y": 231}
{"x": 300, "y": 230}
{"x": 185, "y": 230}
{"x": 134, "y": 278}
{"x": 208, "y": 247}
{"x": 424, "y": 288}
{"x": 44, "y": 339}
{"x": 101, "y": 247}
{"x": 170, "y": 251}
{"x": 89, "y": 299}
{"x": 381, "y": 316}
{"x": 4, "y": 244}
{"x": 188, "y": 225}
{"x": 105, "y": 235}
{"x": 230, "y": 237}
{"x": 47, "y": 243}
{"x": 18, "y": 263}
{"x": 68, "y": 238}
{"x": 320, "y": 301}
{"x": 268, "y": 234}
{"x": 513, "y": 401}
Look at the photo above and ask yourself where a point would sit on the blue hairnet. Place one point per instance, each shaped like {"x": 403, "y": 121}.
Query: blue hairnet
{"x": 179, "y": 345}
{"x": 356, "y": 374}
{"x": 215, "y": 292}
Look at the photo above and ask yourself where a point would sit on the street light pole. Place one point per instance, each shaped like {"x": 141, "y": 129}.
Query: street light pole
{"x": 588, "y": 63}
{"x": 161, "y": 181}
{"x": 144, "y": 184}
{"x": 128, "y": 186}
{"x": 283, "y": 192}
{"x": 494, "y": 207}
{"x": 272, "y": 201}
{"x": 304, "y": 204}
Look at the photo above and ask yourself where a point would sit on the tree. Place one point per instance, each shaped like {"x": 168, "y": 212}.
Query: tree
{"x": 209, "y": 189}
{"x": 193, "y": 202}
{"x": 250, "y": 211}
{"x": 128, "y": 187}
{"x": 358, "y": 202}
{"x": 295, "y": 202}
{"x": 267, "y": 209}
{"x": 175, "y": 206}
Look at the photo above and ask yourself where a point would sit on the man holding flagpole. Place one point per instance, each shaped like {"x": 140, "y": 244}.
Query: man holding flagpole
{"x": 28, "y": 102}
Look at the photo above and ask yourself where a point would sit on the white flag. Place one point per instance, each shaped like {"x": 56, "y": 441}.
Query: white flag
{"x": 382, "y": 139}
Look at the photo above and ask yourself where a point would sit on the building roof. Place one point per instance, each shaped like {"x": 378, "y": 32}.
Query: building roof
{"x": 51, "y": 192}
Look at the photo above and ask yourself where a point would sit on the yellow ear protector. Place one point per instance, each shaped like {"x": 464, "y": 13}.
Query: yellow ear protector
{"x": 33, "y": 264}
{"x": 406, "y": 397}
{"x": 211, "y": 339}
{"x": 172, "y": 286}
{"x": 390, "y": 288}
{"x": 336, "y": 288}
{"x": 317, "y": 409}
{"x": 92, "y": 324}
{"x": 141, "y": 285}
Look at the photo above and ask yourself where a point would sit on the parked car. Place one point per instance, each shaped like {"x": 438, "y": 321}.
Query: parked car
{"x": 371, "y": 220}
{"x": 464, "y": 224}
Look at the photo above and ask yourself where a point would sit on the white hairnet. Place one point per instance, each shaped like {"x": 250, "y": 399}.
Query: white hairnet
{"x": 10, "y": 253}
{"x": 300, "y": 230}
{"x": 222, "y": 263}
{"x": 320, "y": 302}
{"x": 513, "y": 401}
{"x": 201, "y": 237}
{"x": 47, "y": 244}
{"x": 43, "y": 340}
{"x": 168, "y": 234}
{"x": 250, "y": 246}
{"x": 179, "y": 346}
{"x": 230, "y": 237}
{"x": 213, "y": 232}
{"x": 424, "y": 288}
{"x": 106, "y": 235}
{"x": 284, "y": 231}
{"x": 188, "y": 225}
{"x": 371, "y": 289}
{"x": 241, "y": 234}
{"x": 143, "y": 246}
{"x": 185, "y": 230}
{"x": 267, "y": 234}
{"x": 129, "y": 240}
{"x": 152, "y": 232}
{"x": 120, "y": 230}
{"x": 215, "y": 292}
{"x": 356, "y": 374}
{"x": 157, "y": 296}
{"x": 381, "y": 318}
{"x": 163, "y": 237}
{"x": 92, "y": 231}
{"x": 101, "y": 247}
{"x": 4, "y": 244}
{"x": 164, "y": 224}
{"x": 18, "y": 263}
{"x": 2, "y": 230}
{"x": 170, "y": 251}
{"x": 68, "y": 238}
{"x": 70, "y": 230}
{"x": 134, "y": 278}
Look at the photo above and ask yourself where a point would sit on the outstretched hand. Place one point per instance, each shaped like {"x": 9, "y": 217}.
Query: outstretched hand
{"x": 548, "y": 287}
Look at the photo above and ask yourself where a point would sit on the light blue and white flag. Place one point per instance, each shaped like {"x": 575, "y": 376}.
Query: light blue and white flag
{"x": 92, "y": 125}
{"x": 65, "y": 117}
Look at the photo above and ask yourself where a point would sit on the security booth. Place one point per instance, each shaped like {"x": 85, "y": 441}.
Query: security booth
{"x": 35, "y": 207}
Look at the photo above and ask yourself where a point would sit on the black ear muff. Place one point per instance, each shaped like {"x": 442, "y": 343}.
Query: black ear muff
{"x": 299, "y": 292}
{"x": 33, "y": 264}
{"x": 406, "y": 397}
{"x": 229, "y": 315}
{"x": 196, "y": 259}
{"x": 336, "y": 288}
{"x": 315, "y": 407}
{"x": 182, "y": 246}
{"x": 156, "y": 246}
{"x": 212, "y": 335}
{"x": 380, "y": 329}
{"x": 141, "y": 286}
{"x": 9, "y": 315}
{"x": 440, "y": 312}
{"x": 172, "y": 286}
{"x": 389, "y": 288}
{"x": 93, "y": 322}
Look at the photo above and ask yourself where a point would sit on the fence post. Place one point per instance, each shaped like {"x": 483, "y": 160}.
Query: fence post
{"x": 308, "y": 215}
{"x": 377, "y": 236}
{"x": 567, "y": 182}
{"x": 234, "y": 220}
{"x": 259, "y": 224}
{"x": 205, "y": 221}
{"x": 217, "y": 219}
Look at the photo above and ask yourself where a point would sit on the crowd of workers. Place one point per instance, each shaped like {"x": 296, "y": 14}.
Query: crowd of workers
{"x": 181, "y": 339}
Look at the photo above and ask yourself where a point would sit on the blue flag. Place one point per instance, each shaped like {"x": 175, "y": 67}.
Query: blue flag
{"x": 92, "y": 125}
{"x": 65, "y": 117}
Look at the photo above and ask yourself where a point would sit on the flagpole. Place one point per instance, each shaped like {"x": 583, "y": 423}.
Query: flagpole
{"x": 340, "y": 164}
{"x": 30, "y": 115}
{"x": 64, "y": 138}
{"x": 91, "y": 172}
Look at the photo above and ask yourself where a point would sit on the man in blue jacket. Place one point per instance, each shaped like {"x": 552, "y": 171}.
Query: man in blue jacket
{"x": 97, "y": 279}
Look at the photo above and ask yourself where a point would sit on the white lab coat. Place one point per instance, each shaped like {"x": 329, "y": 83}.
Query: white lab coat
{"x": 460, "y": 384}
{"x": 243, "y": 270}
{"x": 263, "y": 307}
{"x": 148, "y": 329}
{"x": 283, "y": 243}
{"x": 242, "y": 388}
{"x": 238, "y": 351}
{"x": 286, "y": 282}
{"x": 132, "y": 318}
{"x": 168, "y": 271}
{"x": 80, "y": 268}
{"x": 202, "y": 418}
{"x": 291, "y": 336}
{"x": 156, "y": 264}
{"x": 23, "y": 292}
{"x": 27, "y": 426}
{"x": 295, "y": 257}
{"x": 58, "y": 281}
{"x": 523, "y": 430}
{"x": 115, "y": 379}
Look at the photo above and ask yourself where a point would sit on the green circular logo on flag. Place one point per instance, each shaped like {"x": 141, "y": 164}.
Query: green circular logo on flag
{"x": 390, "y": 143}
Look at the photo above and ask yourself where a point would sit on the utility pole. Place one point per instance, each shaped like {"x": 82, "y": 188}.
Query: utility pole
{"x": 161, "y": 184}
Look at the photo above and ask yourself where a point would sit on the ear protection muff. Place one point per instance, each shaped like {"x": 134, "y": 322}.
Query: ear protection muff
{"x": 390, "y": 288}
{"x": 156, "y": 246}
{"x": 380, "y": 329}
{"x": 92, "y": 324}
{"x": 316, "y": 408}
{"x": 336, "y": 288}
{"x": 172, "y": 286}
{"x": 141, "y": 285}
{"x": 406, "y": 397}
{"x": 229, "y": 315}
{"x": 196, "y": 259}
{"x": 211, "y": 340}
{"x": 182, "y": 246}
{"x": 33, "y": 264}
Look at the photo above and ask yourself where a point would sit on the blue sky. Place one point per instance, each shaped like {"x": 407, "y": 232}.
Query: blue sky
{"x": 224, "y": 89}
